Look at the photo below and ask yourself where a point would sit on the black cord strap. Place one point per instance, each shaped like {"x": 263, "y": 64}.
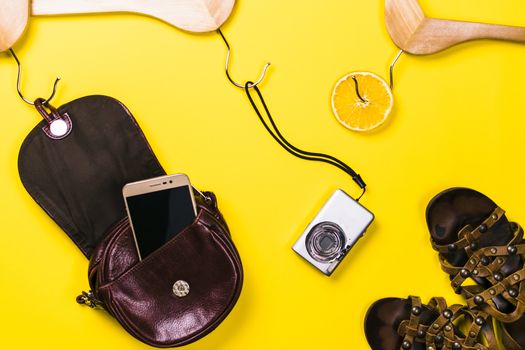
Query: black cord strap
{"x": 281, "y": 140}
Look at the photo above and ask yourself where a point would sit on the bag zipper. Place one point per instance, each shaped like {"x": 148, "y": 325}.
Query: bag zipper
{"x": 89, "y": 299}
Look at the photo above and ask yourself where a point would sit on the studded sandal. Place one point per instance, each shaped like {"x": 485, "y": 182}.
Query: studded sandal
{"x": 403, "y": 324}
{"x": 482, "y": 253}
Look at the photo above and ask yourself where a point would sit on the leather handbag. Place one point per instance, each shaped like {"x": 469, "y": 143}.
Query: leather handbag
{"x": 175, "y": 295}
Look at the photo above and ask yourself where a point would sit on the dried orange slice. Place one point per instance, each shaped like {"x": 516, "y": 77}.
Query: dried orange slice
{"x": 362, "y": 101}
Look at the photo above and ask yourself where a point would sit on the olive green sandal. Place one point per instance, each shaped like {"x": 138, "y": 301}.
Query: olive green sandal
{"x": 483, "y": 254}
{"x": 403, "y": 324}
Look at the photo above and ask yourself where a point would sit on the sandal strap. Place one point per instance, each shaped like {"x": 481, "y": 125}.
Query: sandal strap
{"x": 409, "y": 328}
{"x": 443, "y": 322}
{"x": 415, "y": 314}
{"x": 467, "y": 235}
{"x": 474, "y": 265}
{"x": 441, "y": 333}
{"x": 486, "y": 263}
{"x": 512, "y": 288}
{"x": 479, "y": 320}
{"x": 437, "y": 303}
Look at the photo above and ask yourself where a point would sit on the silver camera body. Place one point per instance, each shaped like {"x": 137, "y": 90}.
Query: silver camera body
{"x": 333, "y": 232}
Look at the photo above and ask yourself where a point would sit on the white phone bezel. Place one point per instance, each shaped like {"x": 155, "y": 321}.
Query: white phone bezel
{"x": 156, "y": 184}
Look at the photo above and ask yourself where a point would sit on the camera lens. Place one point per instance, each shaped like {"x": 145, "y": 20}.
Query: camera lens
{"x": 325, "y": 241}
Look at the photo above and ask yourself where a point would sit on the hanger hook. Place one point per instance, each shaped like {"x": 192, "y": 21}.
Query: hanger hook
{"x": 228, "y": 66}
{"x": 392, "y": 69}
{"x": 18, "y": 79}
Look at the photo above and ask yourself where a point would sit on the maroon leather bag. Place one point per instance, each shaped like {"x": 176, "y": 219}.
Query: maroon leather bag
{"x": 145, "y": 296}
{"x": 174, "y": 296}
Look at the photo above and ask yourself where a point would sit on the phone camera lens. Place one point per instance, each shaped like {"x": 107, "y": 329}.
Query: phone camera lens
{"x": 325, "y": 241}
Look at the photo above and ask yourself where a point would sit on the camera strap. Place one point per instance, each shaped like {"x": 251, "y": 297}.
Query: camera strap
{"x": 281, "y": 140}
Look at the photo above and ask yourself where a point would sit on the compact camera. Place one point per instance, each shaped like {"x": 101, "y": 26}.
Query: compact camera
{"x": 333, "y": 232}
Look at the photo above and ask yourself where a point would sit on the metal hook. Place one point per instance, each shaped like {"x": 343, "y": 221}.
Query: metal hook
{"x": 228, "y": 66}
{"x": 19, "y": 78}
{"x": 392, "y": 69}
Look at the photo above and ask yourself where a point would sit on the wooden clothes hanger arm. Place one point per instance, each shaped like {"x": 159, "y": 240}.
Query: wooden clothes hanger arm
{"x": 417, "y": 34}
{"x": 68, "y": 7}
{"x": 434, "y": 35}
{"x": 190, "y": 15}
{"x": 13, "y": 21}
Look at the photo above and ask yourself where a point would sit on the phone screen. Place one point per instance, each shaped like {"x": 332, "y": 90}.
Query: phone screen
{"x": 159, "y": 216}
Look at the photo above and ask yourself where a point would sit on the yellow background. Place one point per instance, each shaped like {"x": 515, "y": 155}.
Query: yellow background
{"x": 458, "y": 121}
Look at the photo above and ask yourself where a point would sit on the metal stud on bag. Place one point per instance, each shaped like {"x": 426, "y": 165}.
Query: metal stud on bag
{"x": 181, "y": 288}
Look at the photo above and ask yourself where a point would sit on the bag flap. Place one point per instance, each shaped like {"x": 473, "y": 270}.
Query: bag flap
{"x": 78, "y": 180}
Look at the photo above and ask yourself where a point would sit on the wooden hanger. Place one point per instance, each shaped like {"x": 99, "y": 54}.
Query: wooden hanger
{"x": 190, "y": 15}
{"x": 417, "y": 34}
{"x": 13, "y": 22}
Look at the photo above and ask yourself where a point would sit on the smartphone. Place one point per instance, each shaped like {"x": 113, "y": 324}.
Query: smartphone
{"x": 158, "y": 209}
